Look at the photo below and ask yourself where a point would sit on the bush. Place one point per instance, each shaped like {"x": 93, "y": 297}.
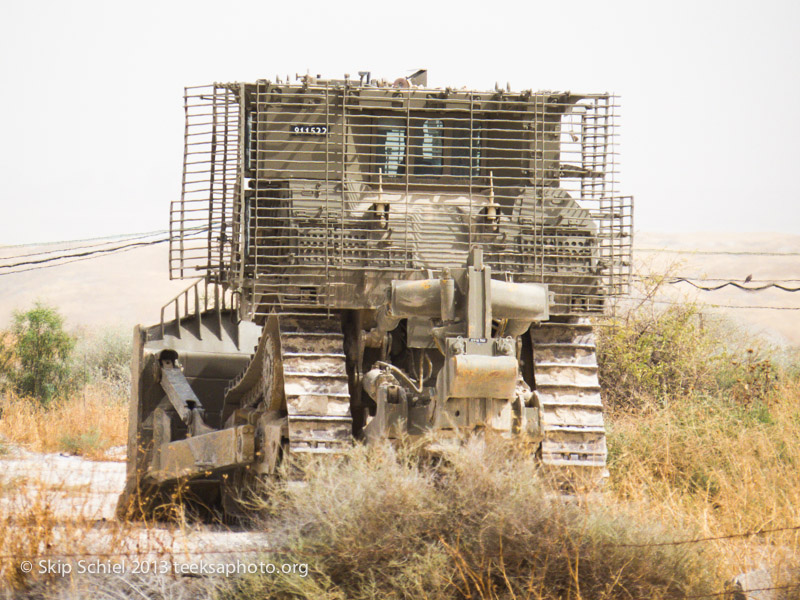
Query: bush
{"x": 651, "y": 357}
{"x": 379, "y": 524}
{"x": 656, "y": 356}
{"x": 103, "y": 357}
{"x": 39, "y": 359}
{"x": 86, "y": 443}
{"x": 6, "y": 359}
{"x": 41, "y": 351}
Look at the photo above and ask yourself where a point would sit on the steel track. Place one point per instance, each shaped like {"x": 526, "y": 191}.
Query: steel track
{"x": 306, "y": 361}
{"x": 566, "y": 374}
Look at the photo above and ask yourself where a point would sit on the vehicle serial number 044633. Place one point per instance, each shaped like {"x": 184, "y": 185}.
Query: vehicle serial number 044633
{"x": 309, "y": 129}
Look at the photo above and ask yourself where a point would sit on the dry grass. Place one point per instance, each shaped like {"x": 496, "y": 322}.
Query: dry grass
{"x": 381, "y": 524}
{"x": 703, "y": 428}
{"x": 703, "y": 441}
{"x": 717, "y": 467}
{"x": 47, "y": 518}
{"x": 87, "y": 423}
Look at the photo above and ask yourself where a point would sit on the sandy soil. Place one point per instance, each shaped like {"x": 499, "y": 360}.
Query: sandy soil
{"x": 74, "y": 487}
{"x": 765, "y": 264}
{"x": 117, "y": 290}
{"x": 80, "y": 495}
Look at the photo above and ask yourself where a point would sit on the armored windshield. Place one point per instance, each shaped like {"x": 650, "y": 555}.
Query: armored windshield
{"x": 391, "y": 145}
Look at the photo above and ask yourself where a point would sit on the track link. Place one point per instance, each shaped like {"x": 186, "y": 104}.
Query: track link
{"x": 565, "y": 370}
{"x": 315, "y": 386}
{"x": 306, "y": 358}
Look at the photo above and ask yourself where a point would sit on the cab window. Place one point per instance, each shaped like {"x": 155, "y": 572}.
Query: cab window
{"x": 465, "y": 153}
{"x": 430, "y": 148}
{"x": 391, "y": 142}
{"x": 429, "y": 159}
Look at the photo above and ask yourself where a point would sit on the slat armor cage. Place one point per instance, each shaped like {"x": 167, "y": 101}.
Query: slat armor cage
{"x": 314, "y": 196}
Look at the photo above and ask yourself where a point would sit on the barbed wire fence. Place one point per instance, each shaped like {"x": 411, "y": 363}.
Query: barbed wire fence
{"x": 295, "y": 553}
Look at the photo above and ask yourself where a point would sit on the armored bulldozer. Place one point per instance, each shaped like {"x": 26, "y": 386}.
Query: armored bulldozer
{"x": 377, "y": 260}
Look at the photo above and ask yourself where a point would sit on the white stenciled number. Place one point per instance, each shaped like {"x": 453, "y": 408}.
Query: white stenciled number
{"x": 310, "y": 129}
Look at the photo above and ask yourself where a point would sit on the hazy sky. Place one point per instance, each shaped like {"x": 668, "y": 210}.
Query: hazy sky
{"x": 93, "y": 114}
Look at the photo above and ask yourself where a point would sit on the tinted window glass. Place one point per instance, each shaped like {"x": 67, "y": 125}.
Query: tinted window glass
{"x": 429, "y": 162}
{"x": 460, "y": 151}
{"x": 391, "y": 146}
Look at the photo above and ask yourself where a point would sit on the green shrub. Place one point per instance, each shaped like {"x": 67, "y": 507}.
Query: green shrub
{"x": 86, "y": 443}
{"x": 38, "y": 358}
{"x": 41, "y": 351}
{"x": 103, "y": 356}
{"x": 651, "y": 357}
{"x": 656, "y": 356}
{"x": 6, "y": 359}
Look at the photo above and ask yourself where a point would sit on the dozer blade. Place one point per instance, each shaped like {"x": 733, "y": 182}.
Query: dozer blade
{"x": 203, "y": 454}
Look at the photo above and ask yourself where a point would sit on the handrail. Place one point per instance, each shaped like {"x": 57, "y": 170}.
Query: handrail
{"x": 219, "y": 300}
